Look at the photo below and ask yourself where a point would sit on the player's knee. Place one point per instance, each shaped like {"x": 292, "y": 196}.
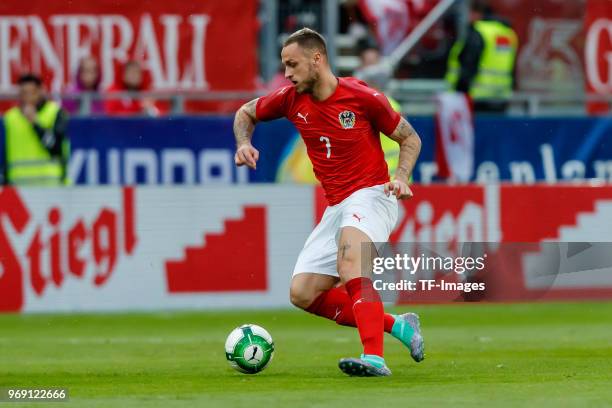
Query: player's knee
{"x": 300, "y": 297}
{"x": 347, "y": 269}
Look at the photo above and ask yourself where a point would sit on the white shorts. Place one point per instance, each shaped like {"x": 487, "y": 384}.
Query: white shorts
{"x": 369, "y": 210}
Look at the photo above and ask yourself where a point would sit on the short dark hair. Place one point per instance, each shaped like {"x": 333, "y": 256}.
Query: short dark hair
{"x": 367, "y": 43}
{"x": 307, "y": 38}
{"x": 29, "y": 78}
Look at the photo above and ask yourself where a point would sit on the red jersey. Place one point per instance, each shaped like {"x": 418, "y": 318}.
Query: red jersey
{"x": 122, "y": 106}
{"x": 341, "y": 133}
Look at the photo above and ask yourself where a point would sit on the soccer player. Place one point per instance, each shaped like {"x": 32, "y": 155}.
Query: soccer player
{"x": 340, "y": 120}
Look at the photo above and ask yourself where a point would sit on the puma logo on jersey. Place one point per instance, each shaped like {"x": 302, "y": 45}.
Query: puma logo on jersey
{"x": 359, "y": 218}
{"x": 375, "y": 94}
{"x": 303, "y": 117}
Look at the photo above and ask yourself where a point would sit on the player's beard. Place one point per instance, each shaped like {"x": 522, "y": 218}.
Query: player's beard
{"x": 309, "y": 83}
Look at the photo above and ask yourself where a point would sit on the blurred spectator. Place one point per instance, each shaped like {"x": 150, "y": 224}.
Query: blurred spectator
{"x": 389, "y": 21}
{"x": 482, "y": 64}
{"x": 369, "y": 69}
{"x": 352, "y": 21}
{"x": 392, "y": 20}
{"x": 87, "y": 79}
{"x": 36, "y": 145}
{"x": 132, "y": 80}
{"x": 369, "y": 54}
{"x": 428, "y": 57}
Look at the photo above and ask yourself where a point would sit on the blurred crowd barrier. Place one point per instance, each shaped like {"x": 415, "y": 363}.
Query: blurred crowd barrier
{"x": 161, "y": 248}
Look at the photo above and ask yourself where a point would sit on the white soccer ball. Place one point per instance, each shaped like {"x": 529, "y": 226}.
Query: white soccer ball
{"x": 249, "y": 348}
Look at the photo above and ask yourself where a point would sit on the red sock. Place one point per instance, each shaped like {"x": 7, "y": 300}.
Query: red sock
{"x": 369, "y": 314}
{"x": 335, "y": 304}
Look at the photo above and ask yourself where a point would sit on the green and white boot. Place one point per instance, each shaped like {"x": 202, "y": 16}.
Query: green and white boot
{"x": 407, "y": 329}
{"x": 367, "y": 365}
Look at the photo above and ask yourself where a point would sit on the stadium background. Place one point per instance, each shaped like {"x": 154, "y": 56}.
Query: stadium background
{"x": 160, "y": 219}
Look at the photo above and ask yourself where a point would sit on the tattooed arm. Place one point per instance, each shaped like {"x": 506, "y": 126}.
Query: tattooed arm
{"x": 410, "y": 147}
{"x": 244, "y": 125}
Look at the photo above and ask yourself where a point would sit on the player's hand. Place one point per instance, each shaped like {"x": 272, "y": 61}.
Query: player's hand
{"x": 399, "y": 189}
{"x": 247, "y": 154}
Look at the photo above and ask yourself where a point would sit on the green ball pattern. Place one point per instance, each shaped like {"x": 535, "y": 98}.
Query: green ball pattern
{"x": 245, "y": 363}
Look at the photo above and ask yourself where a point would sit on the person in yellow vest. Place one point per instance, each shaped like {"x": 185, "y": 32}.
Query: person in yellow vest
{"x": 483, "y": 63}
{"x": 35, "y": 142}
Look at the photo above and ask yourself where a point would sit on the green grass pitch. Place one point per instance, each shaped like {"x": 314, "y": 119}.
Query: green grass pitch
{"x": 553, "y": 354}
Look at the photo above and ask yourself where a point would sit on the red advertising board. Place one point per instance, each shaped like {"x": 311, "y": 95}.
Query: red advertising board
{"x": 551, "y": 43}
{"x": 518, "y": 227}
{"x": 197, "y": 45}
{"x": 149, "y": 249}
{"x": 100, "y": 249}
{"x": 598, "y": 51}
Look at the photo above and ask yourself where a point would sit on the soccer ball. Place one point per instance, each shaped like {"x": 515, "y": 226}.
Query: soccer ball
{"x": 249, "y": 348}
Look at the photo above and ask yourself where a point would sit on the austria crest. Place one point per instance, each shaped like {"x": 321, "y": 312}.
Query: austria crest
{"x": 347, "y": 119}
